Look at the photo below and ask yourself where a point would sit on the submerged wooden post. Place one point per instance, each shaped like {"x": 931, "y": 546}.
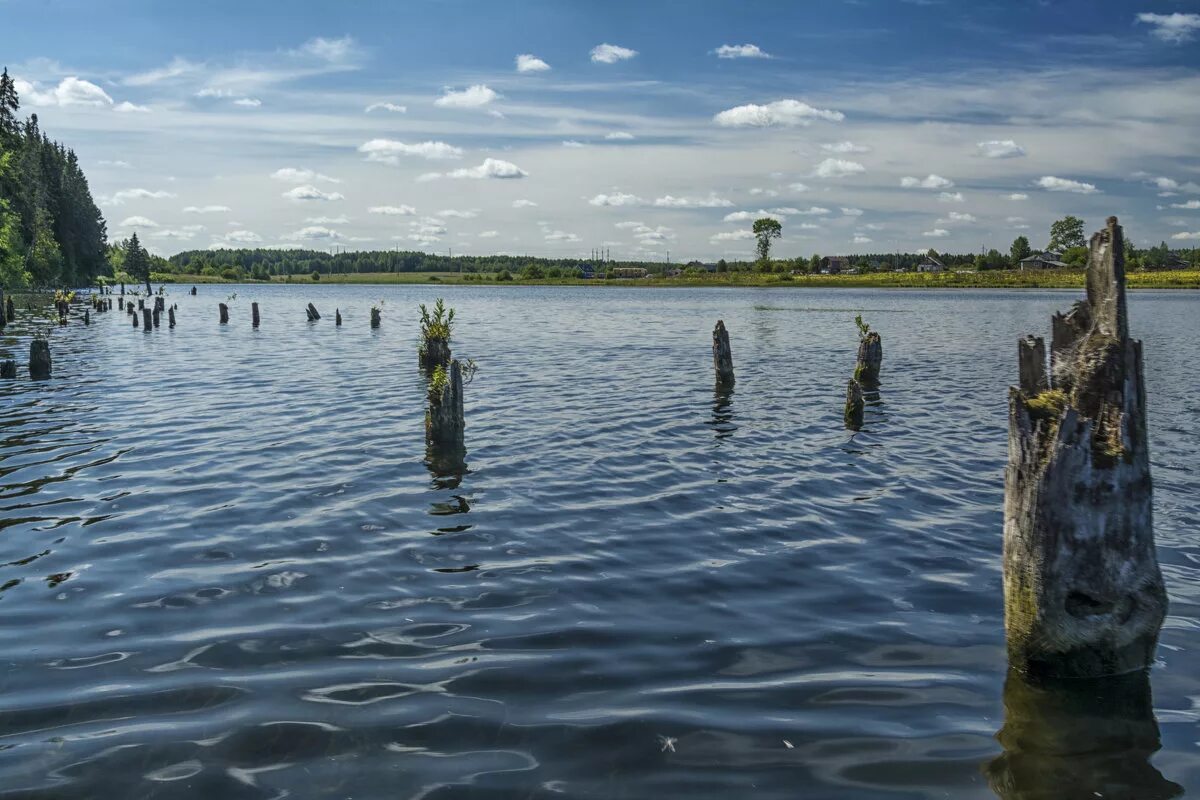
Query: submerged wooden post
{"x": 8, "y": 369}
{"x": 313, "y": 316}
{"x": 171, "y": 317}
{"x": 444, "y": 420}
{"x": 870, "y": 358}
{"x": 254, "y": 315}
{"x": 224, "y": 312}
{"x": 39, "y": 359}
{"x": 147, "y": 319}
{"x": 854, "y": 406}
{"x": 374, "y": 317}
{"x": 337, "y": 316}
{"x": 1083, "y": 593}
{"x": 722, "y": 355}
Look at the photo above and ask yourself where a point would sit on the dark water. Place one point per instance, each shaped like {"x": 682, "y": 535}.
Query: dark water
{"x": 228, "y": 572}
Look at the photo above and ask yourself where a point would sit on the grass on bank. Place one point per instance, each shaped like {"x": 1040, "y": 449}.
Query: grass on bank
{"x": 998, "y": 279}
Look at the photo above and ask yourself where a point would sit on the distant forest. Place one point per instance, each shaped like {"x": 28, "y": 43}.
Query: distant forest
{"x": 51, "y": 232}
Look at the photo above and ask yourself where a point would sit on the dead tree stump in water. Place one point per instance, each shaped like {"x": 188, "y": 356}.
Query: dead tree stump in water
{"x": 10, "y": 310}
{"x": 3, "y": 314}
{"x": 133, "y": 315}
{"x": 374, "y": 317}
{"x": 87, "y": 317}
{"x": 39, "y": 359}
{"x": 722, "y": 355}
{"x": 193, "y": 291}
{"x": 254, "y": 315}
{"x": 854, "y": 406}
{"x": 171, "y": 317}
{"x": 444, "y": 422}
{"x": 435, "y": 353}
{"x": 337, "y": 316}
{"x": 147, "y": 320}
{"x": 313, "y": 316}
{"x": 224, "y": 312}
{"x": 1083, "y": 593}
{"x": 121, "y": 303}
{"x": 870, "y": 358}
{"x": 156, "y": 316}
{"x": 8, "y": 369}
{"x": 141, "y": 304}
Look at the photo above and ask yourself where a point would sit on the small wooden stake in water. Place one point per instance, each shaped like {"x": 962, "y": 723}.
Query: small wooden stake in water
{"x": 854, "y": 405}
{"x": 337, "y": 316}
{"x": 171, "y": 317}
{"x": 313, "y": 316}
{"x": 722, "y": 355}
{"x": 374, "y": 317}
{"x": 39, "y": 359}
{"x": 254, "y": 315}
{"x": 224, "y": 311}
{"x": 1083, "y": 593}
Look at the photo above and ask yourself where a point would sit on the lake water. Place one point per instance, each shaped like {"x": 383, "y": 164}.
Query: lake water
{"x": 228, "y": 571}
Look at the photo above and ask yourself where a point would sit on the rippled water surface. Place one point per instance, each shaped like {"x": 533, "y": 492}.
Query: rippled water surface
{"x": 227, "y": 569}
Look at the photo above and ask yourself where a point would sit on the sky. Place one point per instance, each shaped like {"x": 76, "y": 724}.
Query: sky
{"x": 650, "y": 129}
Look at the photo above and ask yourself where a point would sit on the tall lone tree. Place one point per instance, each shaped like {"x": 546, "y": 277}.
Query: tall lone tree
{"x": 137, "y": 262}
{"x": 765, "y": 230}
{"x": 1019, "y": 250}
{"x": 1066, "y": 233}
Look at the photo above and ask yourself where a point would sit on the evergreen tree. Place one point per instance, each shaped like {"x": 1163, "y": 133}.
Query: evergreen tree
{"x": 137, "y": 262}
{"x": 45, "y": 258}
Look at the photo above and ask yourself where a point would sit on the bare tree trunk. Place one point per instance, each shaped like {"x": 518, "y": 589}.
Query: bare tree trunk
{"x": 1083, "y": 593}
{"x": 722, "y": 354}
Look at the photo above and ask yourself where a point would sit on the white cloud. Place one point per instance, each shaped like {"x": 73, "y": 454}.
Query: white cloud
{"x": 523, "y": 204}
{"x": 844, "y": 147}
{"x": 1183, "y": 235}
{"x": 242, "y": 237}
{"x": 248, "y": 102}
{"x": 332, "y": 50}
{"x": 126, "y": 107}
{"x": 712, "y": 201}
{"x": 118, "y": 164}
{"x": 138, "y": 222}
{"x": 387, "y": 107}
{"x": 929, "y": 182}
{"x": 1018, "y": 196}
{"x": 788, "y": 113}
{"x": 206, "y": 209}
{"x": 572, "y": 143}
{"x": 740, "y": 51}
{"x": 470, "y": 213}
{"x": 1174, "y": 28}
{"x": 316, "y": 232}
{"x": 1053, "y": 184}
{"x": 644, "y": 234}
{"x": 488, "y": 234}
{"x": 811, "y": 211}
{"x": 937, "y": 233}
{"x": 490, "y": 168}
{"x": 611, "y": 54}
{"x": 527, "y": 62}
{"x": 750, "y": 216}
{"x": 123, "y": 195}
{"x": 731, "y": 236}
{"x": 1005, "y": 148}
{"x": 340, "y": 219}
{"x": 475, "y": 96}
{"x": 852, "y": 212}
{"x": 619, "y": 136}
{"x": 393, "y": 211}
{"x": 629, "y": 225}
{"x": 838, "y": 168}
{"x": 861, "y": 239}
{"x": 171, "y": 233}
{"x": 560, "y": 236}
{"x": 300, "y": 175}
{"x": 70, "y": 91}
{"x": 308, "y": 192}
{"x": 957, "y": 216}
{"x": 388, "y": 151}
{"x": 177, "y": 68}
{"x": 951, "y": 197}
{"x": 616, "y": 199}
{"x": 796, "y": 187}
{"x": 1190, "y": 205}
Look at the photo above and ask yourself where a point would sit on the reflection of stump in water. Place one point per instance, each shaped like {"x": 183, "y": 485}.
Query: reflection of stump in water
{"x": 722, "y": 411}
{"x": 1078, "y": 740}
{"x": 447, "y": 464}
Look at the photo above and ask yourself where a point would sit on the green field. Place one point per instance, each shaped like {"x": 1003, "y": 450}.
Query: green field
{"x": 1065, "y": 279}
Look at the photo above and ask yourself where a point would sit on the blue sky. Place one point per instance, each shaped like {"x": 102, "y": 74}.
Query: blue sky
{"x": 642, "y": 127}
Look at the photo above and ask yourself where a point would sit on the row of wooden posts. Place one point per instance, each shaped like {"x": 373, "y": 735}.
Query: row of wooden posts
{"x": 1084, "y": 595}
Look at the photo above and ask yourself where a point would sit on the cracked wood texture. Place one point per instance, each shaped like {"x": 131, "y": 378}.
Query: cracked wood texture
{"x": 1083, "y": 593}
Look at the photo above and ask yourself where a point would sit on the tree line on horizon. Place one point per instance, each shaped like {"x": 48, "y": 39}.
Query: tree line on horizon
{"x": 51, "y": 231}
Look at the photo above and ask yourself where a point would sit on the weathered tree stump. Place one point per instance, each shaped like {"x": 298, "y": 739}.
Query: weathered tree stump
{"x": 254, "y": 315}
{"x": 147, "y": 319}
{"x": 313, "y": 316}
{"x": 87, "y": 317}
{"x": 1083, "y": 594}
{"x": 171, "y": 317}
{"x": 224, "y": 312}
{"x": 3, "y": 314}
{"x": 337, "y": 316}
{"x": 39, "y": 359}
{"x": 10, "y": 311}
{"x": 435, "y": 353}
{"x": 444, "y": 422}
{"x": 1079, "y": 738}
{"x": 870, "y": 358}
{"x": 121, "y": 303}
{"x": 193, "y": 291}
{"x": 854, "y": 406}
{"x": 722, "y": 354}
{"x": 160, "y": 302}
{"x": 8, "y": 369}
{"x": 133, "y": 316}
{"x": 156, "y": 316}
{"x": 375, "y": 317}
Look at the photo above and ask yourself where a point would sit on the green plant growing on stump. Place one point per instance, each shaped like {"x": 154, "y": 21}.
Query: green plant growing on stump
{"x": 863, "y": 328}
{"x": 436, "y": 328}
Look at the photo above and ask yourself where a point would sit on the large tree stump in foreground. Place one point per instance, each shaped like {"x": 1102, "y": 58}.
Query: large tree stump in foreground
{"x": 444, "y": 421}
{"x": 39, "y": 359}
{"x": 1083, "y": 594}
{"x": 722, "y": 355}
{"x": 434, "y": 352}
{"x": 870, "y": 358}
